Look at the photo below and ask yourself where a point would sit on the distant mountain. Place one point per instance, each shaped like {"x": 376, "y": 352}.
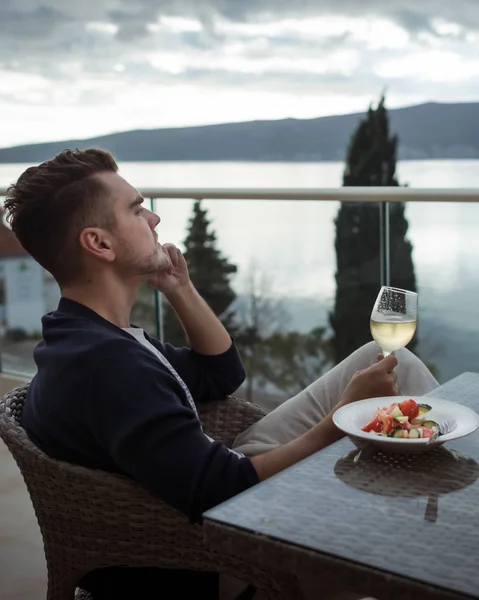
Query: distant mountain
{"x": 430, "y": 130}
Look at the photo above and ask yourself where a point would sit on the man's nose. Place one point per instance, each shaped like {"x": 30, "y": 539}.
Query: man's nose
{"x": 154, "y": 220}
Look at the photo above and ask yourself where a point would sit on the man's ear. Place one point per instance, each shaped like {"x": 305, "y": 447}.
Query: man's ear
{"x": 98, "y": 243}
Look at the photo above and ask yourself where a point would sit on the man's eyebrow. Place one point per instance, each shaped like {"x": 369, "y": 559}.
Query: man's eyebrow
{"x": 137, "y": 201}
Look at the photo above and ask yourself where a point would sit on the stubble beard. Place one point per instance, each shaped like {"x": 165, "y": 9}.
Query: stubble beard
{"x": 158, "y": 260}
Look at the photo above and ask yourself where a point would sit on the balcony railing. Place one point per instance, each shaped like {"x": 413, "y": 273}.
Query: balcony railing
{"x": 382, "y": 196}
{"x": 343, "y": 194}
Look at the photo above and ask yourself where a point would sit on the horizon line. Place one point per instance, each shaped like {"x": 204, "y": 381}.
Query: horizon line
{"x": 166, "y": 127}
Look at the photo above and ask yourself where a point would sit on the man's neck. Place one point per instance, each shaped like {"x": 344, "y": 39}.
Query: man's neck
{"x": 111, "y": 300}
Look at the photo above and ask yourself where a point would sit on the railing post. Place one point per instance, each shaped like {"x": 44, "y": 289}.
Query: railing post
{"x": 160, "y": 330}
{"x": 159, "y": 322}
{"x": 384, "y": 243}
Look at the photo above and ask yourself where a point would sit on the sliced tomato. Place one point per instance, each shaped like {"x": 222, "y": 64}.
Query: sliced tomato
{"x": 374, "y": 425}
{"x": 381, "y": 423}
{"x": 409, "y": 408}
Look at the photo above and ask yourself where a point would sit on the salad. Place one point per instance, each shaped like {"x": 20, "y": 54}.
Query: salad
{"x": 403, "y": 420}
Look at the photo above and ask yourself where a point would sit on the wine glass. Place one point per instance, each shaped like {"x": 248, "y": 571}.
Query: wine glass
{"x": 394, "y": 318}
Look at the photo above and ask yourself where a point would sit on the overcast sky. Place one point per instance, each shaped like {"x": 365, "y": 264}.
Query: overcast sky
{"x": 87, "y": 67}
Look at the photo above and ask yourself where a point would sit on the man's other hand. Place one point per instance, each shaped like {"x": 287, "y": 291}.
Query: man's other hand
{"x": 377, "y": 380}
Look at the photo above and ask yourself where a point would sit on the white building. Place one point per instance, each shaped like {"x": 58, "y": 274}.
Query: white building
{"x": 27, "y": 292}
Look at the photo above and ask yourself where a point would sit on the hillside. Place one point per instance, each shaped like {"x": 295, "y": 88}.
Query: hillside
{"x": 430, "y": 130}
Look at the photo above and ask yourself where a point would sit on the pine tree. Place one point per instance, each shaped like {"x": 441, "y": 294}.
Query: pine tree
{"x": 371, "y": 161}
{"x": 210, "y": 272}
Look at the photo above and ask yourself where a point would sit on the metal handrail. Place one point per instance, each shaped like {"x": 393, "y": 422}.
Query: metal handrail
{"x": 345, "y": 194}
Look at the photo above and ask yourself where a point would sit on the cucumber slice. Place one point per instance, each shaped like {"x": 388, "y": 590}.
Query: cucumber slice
{"x": 423, "y": 408}
{"x": 396, "y": 412}
{"x": 413, "y": 433}
{"x": 402, "y": 419}
{"x": 416, "y": 421}
{"x": 429, "y": 424}
{"x": 398, "y": 433}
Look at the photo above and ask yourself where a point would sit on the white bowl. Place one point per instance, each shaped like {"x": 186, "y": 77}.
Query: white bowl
{"x": 456, "y": 419}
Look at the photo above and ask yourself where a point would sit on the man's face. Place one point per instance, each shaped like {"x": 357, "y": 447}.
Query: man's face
{"x": 134, "y": 240}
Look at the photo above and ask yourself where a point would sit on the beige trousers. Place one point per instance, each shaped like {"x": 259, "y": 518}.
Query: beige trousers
{"x": 297, "y": 415}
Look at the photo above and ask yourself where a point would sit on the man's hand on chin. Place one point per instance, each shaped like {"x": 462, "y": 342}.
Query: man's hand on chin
{"x": 203, "y": 329}
{"x": 173, "y": 278}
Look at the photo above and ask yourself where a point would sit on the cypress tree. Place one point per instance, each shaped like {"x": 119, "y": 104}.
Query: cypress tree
{"x": 371, "y": 161}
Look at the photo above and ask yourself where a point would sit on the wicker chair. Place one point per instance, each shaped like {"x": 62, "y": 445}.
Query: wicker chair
{"x": 91, "y": 519}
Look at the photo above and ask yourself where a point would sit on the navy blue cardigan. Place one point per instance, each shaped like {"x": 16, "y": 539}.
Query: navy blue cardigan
{"x": 102, "y": 400}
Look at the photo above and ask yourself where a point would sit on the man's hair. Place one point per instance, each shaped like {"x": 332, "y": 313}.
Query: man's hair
{"x": 51, "y": 204}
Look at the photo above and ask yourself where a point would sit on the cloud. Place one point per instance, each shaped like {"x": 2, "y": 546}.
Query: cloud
{"x": 411, "y": 14}
{"x": 412, "y": 21}
{"x": 36, "y": 23}
{"x": 59, "y": 54}
{"x": 209, "y": 23}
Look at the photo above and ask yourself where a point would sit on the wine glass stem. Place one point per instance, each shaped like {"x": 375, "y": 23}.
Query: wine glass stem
{"x": 386, "y": 353}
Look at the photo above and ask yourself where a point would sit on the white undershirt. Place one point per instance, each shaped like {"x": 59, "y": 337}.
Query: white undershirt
{"x": 139, "y": 335}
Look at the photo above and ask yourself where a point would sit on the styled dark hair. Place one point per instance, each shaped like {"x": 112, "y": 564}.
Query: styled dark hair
{"x": 52, "y": 203}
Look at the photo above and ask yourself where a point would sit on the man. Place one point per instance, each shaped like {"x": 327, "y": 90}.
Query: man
{"x": 108, "y": 396}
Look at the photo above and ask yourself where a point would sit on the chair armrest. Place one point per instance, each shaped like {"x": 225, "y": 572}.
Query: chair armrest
{"x": 223, "y": 420}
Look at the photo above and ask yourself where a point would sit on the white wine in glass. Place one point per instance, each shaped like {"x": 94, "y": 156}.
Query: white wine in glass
{"x": 394, "y": 318}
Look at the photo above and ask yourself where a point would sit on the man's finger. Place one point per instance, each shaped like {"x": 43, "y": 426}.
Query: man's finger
{"x": 388, "y": 363}
{"x": 170, "y": 247}
{"x": 166, "y": 253}
{"x": 173, "y": 254}
{"x": 180, "y": 257}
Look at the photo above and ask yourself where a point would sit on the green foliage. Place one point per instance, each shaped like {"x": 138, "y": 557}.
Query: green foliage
{"x": 259, "y": 315}
{"x": 372, "y": 152}
{"x": 210, "y": 272}
{"x": 273, "y": 354}
{"x": 293, "y": 360}
{"x": 371, "y": 161}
